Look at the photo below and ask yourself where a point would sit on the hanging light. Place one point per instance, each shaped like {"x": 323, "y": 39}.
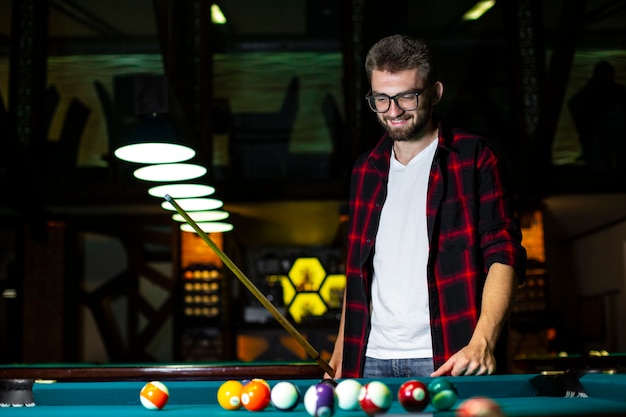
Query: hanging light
{"x": 181, "y": 190}
{"x": 154, "y": 141}
{"x": 203, "y": 216}
{"x": 170, "y": 172}
{"x": 478, "y": 9}
{"x": 208, "y": 227}
{"x": 217, "y": 17}
{"x": 194, "y": 204}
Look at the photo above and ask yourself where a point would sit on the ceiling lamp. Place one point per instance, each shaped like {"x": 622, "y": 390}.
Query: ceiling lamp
{"x": 478, "y": 10}
{"x": 208, "y": 227}
{"x": 194, "y": 204}
{"x": 217, "y": 17}
{"x": 154, "y": 141}
{"x": 170, "y": 172}
{"x": 181, "y": 190}
{"x": 203, "y": 216}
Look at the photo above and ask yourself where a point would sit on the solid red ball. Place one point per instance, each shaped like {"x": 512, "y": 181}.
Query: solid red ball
{"x": 413, "y": 395}
{"x": 479, "y": 407}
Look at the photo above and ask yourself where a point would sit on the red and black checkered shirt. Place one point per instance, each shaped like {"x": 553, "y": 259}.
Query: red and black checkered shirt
{"x": 471, "y": 225}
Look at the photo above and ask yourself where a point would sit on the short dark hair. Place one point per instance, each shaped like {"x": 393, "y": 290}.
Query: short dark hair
{"x": 398, "y": 53}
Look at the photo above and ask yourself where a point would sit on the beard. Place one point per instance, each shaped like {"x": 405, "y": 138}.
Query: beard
{"x": 410, "y": 131}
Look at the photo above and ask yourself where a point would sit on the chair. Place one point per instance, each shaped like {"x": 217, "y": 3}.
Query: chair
{"x": 62, "y": 155}
{"x": 259, "y": 142}
{"x": 339, "y": 163}
{"x": 117, "y": 128}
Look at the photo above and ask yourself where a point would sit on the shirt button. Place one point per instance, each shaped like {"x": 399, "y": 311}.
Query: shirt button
{"x": 369, "y": 240}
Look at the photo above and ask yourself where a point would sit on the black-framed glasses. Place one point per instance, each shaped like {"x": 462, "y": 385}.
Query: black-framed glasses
{"x": 380, "y": 103}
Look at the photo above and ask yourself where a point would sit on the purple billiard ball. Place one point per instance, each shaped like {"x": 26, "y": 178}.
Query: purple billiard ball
{"x": 320, "y": 400}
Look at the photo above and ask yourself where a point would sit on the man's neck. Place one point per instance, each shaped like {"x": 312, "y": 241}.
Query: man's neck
{"x": 407, "y": 149}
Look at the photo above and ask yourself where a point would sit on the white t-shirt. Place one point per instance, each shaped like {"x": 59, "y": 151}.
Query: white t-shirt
{"x": 400, "y": 312}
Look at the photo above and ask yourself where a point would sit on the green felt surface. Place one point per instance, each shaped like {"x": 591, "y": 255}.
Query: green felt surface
{"x": 518, "y": 396}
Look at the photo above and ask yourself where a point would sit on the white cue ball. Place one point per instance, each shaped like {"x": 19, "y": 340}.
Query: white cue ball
{"x": 348, "y": 394}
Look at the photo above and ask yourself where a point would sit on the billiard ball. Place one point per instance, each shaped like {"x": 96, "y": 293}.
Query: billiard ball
{"x": 443, "y": 393}
{"x": 413, "y": 395}
{"x": 348, "y": 394}
{"x": 262, "y": 381}
{"x": 479, "y": 407}
{"x": 320, "y": 400}
{"x": 285, "y": 396}
{"x": 229, "y": 395}
{"x": 255, "y": 395}
{"x": 330, "y": 382}
{"x": 154, "y": 395}
{"x": 375, "y": 398}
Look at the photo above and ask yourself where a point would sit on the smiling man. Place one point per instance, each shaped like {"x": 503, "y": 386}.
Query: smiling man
{"x": 434, "y": 251}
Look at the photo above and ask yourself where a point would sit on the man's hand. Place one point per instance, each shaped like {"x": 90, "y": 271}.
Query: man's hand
{"x": 477, "y": 357}
{"x": 473, "y": 359}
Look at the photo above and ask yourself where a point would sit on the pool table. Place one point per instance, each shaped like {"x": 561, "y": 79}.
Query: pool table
{"x": 554, "y": 362}
{"x": 519, "y": 395}
{"x": 87, "y": 372}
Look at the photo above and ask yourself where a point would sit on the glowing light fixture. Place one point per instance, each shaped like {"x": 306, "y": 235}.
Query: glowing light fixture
{"x": 217, "y": 16}
{"x": 181, "y": 190}
{"x": 203, "y": 216}
{"x": 9, "y": 293}
{"x": 208, "y": 227}
{"x": 478, "y": 10}
{"x": 194, "y": 204}
{"x": 170, "y": 172}
{"x": 154, "y": 141}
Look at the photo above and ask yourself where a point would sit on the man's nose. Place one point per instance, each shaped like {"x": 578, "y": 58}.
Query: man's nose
{"x": 394, "y": 109}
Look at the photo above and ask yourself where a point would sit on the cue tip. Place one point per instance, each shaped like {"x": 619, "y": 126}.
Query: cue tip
{"x": 168, "y": 197}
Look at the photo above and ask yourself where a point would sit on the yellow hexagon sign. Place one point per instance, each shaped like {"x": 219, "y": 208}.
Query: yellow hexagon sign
{"x": 288, "y": 290}
{"x": 307, "y": 274}
{"x": 306, "y": 304}
{"x": 332, "y": 290}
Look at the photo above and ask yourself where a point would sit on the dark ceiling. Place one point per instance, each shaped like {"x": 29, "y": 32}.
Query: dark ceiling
{"x": 103, "y": 25}
{"x": 129, "y": 26}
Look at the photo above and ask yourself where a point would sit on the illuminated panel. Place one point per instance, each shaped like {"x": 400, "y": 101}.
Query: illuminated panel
{"x": 306, "y": 304}
{"x": 307, "y": 274}
{"x": 332, "y": 290}
{"x": 289, "y": 292}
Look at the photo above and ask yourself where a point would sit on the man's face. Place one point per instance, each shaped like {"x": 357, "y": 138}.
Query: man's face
{"x": 401, "y": 124}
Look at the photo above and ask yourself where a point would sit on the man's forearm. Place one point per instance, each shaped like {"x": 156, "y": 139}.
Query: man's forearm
{"x": 498, "y": 296}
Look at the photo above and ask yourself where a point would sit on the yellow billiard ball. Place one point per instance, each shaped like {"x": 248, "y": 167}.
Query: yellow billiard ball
{"x": 229, "y": 395}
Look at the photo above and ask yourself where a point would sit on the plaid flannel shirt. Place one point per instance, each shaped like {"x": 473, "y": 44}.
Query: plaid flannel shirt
{"x": 471, "y": 225}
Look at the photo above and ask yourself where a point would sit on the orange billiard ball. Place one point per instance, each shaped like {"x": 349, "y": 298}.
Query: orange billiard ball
{"x": 229, "y": 395}
{"x": 154, "y": 395}
{"x": 255, "y": 395}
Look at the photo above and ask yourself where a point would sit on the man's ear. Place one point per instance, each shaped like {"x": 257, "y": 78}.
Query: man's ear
{"x": 436, "y": 92}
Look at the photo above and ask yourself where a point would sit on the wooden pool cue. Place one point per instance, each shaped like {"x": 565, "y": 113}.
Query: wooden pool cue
{"x": 314, "y": 354}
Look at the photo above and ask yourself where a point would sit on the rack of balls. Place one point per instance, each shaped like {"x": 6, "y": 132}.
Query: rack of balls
{"x": 325, "y": 398}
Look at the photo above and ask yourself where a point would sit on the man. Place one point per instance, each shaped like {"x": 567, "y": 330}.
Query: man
{"x": 434, "y": 252}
